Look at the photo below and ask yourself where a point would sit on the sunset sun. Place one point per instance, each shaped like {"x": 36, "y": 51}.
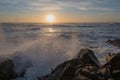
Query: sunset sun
{"x": 50, "y": 18}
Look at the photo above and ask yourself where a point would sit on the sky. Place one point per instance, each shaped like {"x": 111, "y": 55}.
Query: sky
{"x": 63, "y": 10}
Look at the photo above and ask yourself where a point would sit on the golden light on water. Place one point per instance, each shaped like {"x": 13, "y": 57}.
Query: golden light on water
{"x": 50, "y": 30}
{"x": 50, "y": 18}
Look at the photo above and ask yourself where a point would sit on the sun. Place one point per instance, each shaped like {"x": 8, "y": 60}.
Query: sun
{"x": 50, "y": 18}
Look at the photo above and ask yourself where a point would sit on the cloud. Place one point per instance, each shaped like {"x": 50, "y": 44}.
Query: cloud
{"x": 83, "y": 5}
{"x": 86, "y": 5}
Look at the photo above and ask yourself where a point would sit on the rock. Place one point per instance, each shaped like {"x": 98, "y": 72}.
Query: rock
{"x": 6, "y": 70}
{"x": 111, "y": 79}
{"x": 68, "y": 70}
{"x": 86, "y": 67}
{"x": 115, "y": 62}
{"x": 115, "y": 66}
{"x": 104, "y": 72}
{"x": 109, "y": 56}
{"x": 115, "y": 42}
{"x": 87, "y": 74}
{"x": 88, "y": 57}
{"x": 91, "y": 65}
{"x": 46, "y": 77}
{"x": 64, "y": 71}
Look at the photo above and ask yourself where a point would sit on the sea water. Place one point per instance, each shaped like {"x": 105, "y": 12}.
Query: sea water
{"x": 36, "y": 48}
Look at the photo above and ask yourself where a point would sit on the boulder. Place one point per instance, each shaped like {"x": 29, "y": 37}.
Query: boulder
{"x": 64, "y": 71}
{"x": 105, "y": 72}
{"x": 87, "y": 74}
{"x": 86, "y": 67}
{"x": 115, "y": 42}
{"x": 88, "y": 57}
{"x": 115, "y": 62}
{"x": 69, "y": 70}
{"x": 109, "y": 56}
{"x": 115, "y": 66}
{"x": 6, "y": 70}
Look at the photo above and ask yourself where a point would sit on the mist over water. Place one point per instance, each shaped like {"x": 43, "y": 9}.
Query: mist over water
{"x": 37, "y": 48}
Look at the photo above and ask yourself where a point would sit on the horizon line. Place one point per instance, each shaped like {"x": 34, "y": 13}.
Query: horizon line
{"x": 57, "y": 22}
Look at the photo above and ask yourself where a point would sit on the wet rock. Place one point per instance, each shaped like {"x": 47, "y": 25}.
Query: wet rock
{"x": 104, "y": 72}
{"x": 79, "y": 76}
{"x": 115, "y": 42}
{"x": 115, "y": 62}
{"x": 111, "y": 79}
{"x": 69, "y": 69}
{"x": 109, "y": 56}
{"x": 85, "y": 74}
{"x": 115, "y": 66}
{"x": 46, "y": 77}
{"x": 88, "y": 57}
{"x": 91, "y": 65}
{"x": 6, "y": 70}
{"x": 86, "y": 67}
{"x": 66, "y": 70}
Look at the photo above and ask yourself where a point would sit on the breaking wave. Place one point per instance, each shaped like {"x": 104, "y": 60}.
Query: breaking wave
{"x": 37, "y": 49}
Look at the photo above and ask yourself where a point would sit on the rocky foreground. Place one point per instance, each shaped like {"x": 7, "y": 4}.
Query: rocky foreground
{"x": 87, "y": 67}
{"x": 84, "y": 67}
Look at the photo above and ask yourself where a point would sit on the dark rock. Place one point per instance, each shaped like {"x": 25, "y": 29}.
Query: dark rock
{"x": 91, "y": 63}
{"x": 109, "y": 56}
{"x": 111, "y": 79}
{"x": 22, "y": 74}
{"x": 87, "y": 74}
{"x": 6, "y": 70}
{"x": 105, "y": 71}
{"x": 64, "y": 71}
{"x": 115, "y": 42}
{"x": 86, "y": 67}
{"x": 69, "y": 69}
{"x": 88, "y": 57}
{"x": 115, "y": 62}
{"x": 15, "y": 75}
{"x": 115, "y": 66}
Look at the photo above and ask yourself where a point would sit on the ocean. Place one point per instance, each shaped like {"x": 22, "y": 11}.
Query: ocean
{"x": 37, "y": 48}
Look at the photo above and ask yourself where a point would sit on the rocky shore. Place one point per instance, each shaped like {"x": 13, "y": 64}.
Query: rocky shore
{"x": 85, "y": 66}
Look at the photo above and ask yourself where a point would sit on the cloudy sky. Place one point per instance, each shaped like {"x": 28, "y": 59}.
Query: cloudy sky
{"x": 64, "y": 10}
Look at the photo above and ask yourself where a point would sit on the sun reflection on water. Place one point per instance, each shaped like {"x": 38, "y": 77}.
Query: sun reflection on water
{"x": 49, "y": 32}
